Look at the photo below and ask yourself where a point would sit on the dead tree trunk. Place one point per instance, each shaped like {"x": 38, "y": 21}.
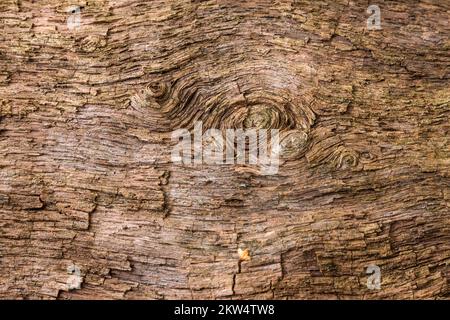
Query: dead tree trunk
{"x": 91, "y": 205}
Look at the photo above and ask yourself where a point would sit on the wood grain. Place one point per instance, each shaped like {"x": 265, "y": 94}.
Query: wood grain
{"x": 86, "y": 177}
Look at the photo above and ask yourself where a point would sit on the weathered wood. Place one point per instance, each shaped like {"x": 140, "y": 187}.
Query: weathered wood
{"x": 85, "y": 136}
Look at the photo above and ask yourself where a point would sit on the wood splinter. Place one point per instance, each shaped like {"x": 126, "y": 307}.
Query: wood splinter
{"x": 244, "y": 255}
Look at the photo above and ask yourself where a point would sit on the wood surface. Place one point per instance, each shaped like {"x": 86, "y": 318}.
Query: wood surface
{"x": 86, "y": 178}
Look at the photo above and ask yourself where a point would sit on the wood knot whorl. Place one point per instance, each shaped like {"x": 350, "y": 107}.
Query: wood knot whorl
{"x": 293, "y": 143}
{"x": 92, "y": 43}
{"x": 152, "y": 96}
{"x": 261, "y": 117}
{"x": 160, "y": 91}
{"x": 344, "y": 158}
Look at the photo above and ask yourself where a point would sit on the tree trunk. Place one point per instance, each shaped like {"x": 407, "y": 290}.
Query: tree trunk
{"x": 92, "y": 205}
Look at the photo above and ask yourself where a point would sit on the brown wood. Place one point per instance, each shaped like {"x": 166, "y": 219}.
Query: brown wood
{"x": 85, "y": 136}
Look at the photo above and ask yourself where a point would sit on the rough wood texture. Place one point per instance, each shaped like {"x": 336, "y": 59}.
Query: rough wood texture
{"x": 87, "y": 181}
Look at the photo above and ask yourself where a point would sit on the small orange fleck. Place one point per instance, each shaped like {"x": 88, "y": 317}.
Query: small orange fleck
{"x": 244, "y": 255}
